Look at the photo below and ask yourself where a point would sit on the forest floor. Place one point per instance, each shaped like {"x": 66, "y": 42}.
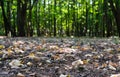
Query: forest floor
{"x": 59, "y": 57}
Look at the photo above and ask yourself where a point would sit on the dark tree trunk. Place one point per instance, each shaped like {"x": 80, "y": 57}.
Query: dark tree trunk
{"x": 117, "y": 17}
{"x": 61, "y": 27}
{"x": 106, "y": 18}
{"x": 29, "y": 25}
{"x": 86, "y": 25}
{"x": 38, "y": 20}
{"x": 6, "y": 22}
{"x": 54, "y": 18}
{"x": 14, "y": 25}
{"x": 21, "y": 17}
{"x": 116, "y": 11}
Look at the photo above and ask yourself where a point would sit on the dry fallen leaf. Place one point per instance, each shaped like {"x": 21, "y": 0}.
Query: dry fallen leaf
{"x": 85, "y": 48}
{"x": 56, "y": 57}
{"x": 20, "y": 75}
{"x": 62, "y": 75}
{"x": 113, "y": 64}
{"x": 29, "y": 63}
{"x": 96, "y": 64}
{"x": 104, "y": 65}
{"x": 95, "y": 56}
{"x": 32, "y": 74}
{"x": 43, "y": 41}
{"x": 1, "y": 52}
{"x": 54, "y": 47}
{"x": 115, "y": 75}
{"x": 15, "y": 63}
{"x": 111, "y": 67}
{"x": 67, "y": 50}
{"x": 9, "y": 50}
{"x": 31, "y": 55}
{"x": 38, "y": 47}
{"x": 77, "y": 63}
{"x": 118, "y": 49}
{"x": 85, "y": 61}
{"x": 2, "y": 46}
{"x": 20, "y": 42}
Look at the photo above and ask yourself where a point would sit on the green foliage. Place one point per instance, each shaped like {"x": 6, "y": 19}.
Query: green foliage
{"x": 75, "y": 17}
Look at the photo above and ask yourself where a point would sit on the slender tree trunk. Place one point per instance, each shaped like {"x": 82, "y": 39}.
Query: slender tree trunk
{"x": 116, "y": 12}
{"x": 86, "y": 25}
{"x": 14, "y": 25}
{"x": 38, "y": 20}
{"x": 6, "y": 22}
{"x": 54, "y": 18}
{"x": 67, "y": 23}
{"x": 29, "y": 30}
{"x": 61, "y": 28}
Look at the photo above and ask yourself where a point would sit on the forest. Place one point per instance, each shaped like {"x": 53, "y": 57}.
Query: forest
{"x": 92, "y": 18}
{"x": 59, "y": 38}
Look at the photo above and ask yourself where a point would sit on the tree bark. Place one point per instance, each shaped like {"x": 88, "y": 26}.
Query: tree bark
{"x": 6, "y": 22}
{"x": 116, "y": 13}
{"x": 54, "y": 18}
{"x": 21, "y": 18}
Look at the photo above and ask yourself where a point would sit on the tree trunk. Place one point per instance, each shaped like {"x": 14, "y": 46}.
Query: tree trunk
{"x": 117, "y": 17}
{"x": 116, "y": 13}
{"x": 54, "y": 18}
{"x": 86, "y": 25}
{"x": 6, "y": 22}
{"x": 38, "y": 20}
{"x": 21, "y": 17}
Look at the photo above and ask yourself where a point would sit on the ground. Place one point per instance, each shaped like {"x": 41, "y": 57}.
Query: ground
{"x": 59, "y": 57}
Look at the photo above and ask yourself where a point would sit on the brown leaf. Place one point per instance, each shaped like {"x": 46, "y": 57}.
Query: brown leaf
{"x": 56, "y": 57}
{"x": 113, "y": 64}
{"x": 38, "y": 47}
{"x": 104, "y": 65}
{"x": 96, "y": 64}
{"x": 43, "y": 41}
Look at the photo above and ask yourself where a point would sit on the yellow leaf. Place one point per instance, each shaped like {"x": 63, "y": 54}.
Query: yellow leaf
{"x": 68, "y": 76}
{"x": 31, "y": 55}
{"x": 2, "y": 46}
{"x": 1, "y": 52}
{"x": 85, "y": 61}
{"x": 9, "y": 51}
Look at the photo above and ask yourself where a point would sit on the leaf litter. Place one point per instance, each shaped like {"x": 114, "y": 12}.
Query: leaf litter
{"x": 59, "y": 57}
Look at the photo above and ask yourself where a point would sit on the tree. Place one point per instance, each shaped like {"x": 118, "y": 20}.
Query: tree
{"x": 21, "y": 15}
{"x": 6, "y": 20}
{"x": 115, "y": 6}
{"x": 60, "y": 17}
{"x": 54, "y": 18}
